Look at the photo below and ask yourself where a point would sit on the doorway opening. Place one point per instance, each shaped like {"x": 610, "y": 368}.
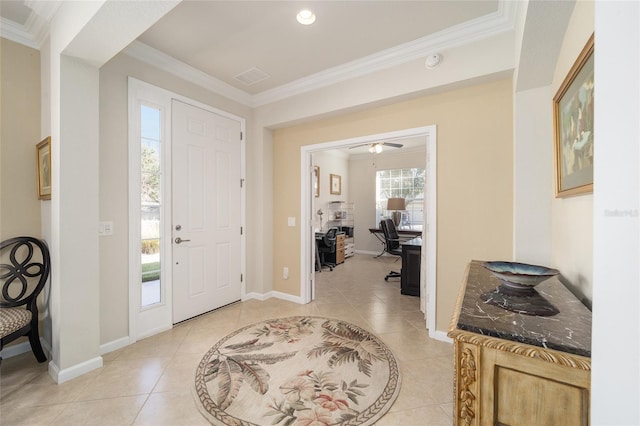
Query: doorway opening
{"x": 428, "y": 262}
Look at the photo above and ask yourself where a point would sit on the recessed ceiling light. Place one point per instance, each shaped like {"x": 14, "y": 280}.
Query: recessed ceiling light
{"x": 306, "y": 17}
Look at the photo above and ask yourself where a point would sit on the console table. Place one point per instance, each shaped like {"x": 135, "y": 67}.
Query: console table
{"x": 514, "y": 369}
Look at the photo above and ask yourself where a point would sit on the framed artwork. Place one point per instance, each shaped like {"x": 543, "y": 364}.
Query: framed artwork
{"x": 43, "y": 168}
{"x": 316, "y": 181}
{"x": 573, "y": 127}
{"x": 335, "y": 184}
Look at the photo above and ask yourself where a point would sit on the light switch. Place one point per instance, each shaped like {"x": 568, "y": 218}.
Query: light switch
{"x": 291, "y": 221}
{"x": 105, "y": 228}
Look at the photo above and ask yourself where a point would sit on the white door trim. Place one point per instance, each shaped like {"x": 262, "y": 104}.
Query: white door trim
{"x": 139, "y": 91}
{"x": 428, "y": 274}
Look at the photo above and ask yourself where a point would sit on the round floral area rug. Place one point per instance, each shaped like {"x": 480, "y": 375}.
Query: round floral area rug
{"x": 297, "y": 371}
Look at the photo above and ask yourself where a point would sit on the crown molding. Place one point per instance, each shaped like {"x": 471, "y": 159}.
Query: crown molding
{"x": 36, "y": 30}
{"x": 38, "y": 27}
{"x": 490, "y": 25}
{"x": 18, "y": 33}
{"x": 151, "y": 56}
{"x": 477, "y": 29}
{"x": 44, "y": 9}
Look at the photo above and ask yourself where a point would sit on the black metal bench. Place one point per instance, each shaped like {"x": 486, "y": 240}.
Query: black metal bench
{"x": 23, "y": 273}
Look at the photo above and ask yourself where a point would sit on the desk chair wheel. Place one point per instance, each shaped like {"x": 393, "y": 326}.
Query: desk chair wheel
{"x": 392, "y": 274}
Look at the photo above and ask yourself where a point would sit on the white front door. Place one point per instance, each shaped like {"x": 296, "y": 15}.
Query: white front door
{"x": 206, "y": 206}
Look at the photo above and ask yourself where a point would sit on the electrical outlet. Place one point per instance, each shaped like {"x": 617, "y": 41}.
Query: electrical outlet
{"x": 285, "y": 273}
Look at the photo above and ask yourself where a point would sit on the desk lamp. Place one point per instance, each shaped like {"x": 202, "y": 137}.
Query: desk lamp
{"x": 396, "y": 205}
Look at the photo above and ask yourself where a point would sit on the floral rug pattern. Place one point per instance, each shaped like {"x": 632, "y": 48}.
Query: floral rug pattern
{"x": 297, "y": 371}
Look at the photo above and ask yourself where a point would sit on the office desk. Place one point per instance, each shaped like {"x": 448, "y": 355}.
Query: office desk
{"x": 403, "y": 233}
{"x": 410, "y": 274}
{"x": 337, "y": 256}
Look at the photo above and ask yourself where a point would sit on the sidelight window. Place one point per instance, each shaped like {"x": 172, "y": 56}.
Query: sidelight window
{"x": 150, "y": 205}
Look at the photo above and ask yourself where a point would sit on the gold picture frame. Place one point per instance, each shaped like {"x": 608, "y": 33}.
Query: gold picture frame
{"x": 43, "y": 168}
{"x": 335, "y": 184}
{"x": 573, "y": 127}
{"x": 316, "y": 181}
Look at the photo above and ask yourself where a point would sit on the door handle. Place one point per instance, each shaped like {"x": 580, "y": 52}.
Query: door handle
{"x": 179, "y": 240}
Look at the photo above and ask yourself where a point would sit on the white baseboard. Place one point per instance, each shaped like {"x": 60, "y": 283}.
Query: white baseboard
{"x": 61, "y": 376}
{"x": 24, "y": 347}
{"x": 440, "y": 335}
{"x": 288, "y": 297}
{"x": 114, "y": 345}
{"x": 155, "y": 331}
{"x": 273, "y": 294}
{"x": 16, "y": 349}
{"x": 256, "y": 296}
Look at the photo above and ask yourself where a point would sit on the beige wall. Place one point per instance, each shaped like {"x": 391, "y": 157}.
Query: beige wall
{"x": 572, "y": 218}
{"x": 114, "y": 285}
{"x": 362, "y": 170}
{"x": 330, "y": 162}
{"x": 19, "y": 134}
{"x": 475, "y": 178}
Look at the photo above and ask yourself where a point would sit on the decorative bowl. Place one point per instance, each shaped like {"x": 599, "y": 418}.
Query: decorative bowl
{"x": 520, "y": 275}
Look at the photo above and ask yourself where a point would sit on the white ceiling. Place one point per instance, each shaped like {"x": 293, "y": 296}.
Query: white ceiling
{"x": 227, "y": 38}
{"x": 222, "y": 39}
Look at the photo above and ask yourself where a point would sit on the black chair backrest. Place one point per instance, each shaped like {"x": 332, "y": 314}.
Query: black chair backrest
{"x": 24, "y": 270}
{"x": 390, "y": 234}
{"x": 330, "y": 237}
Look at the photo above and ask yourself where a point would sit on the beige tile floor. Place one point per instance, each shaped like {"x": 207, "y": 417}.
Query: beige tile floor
{"x": 148, "y": 383}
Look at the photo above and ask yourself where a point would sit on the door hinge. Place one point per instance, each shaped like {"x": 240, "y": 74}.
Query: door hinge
{"x": 241, "y": 183}
{"x": 241, "y": 135}
{"x": 241, "y": 230}
{"x": 241, "y": 277}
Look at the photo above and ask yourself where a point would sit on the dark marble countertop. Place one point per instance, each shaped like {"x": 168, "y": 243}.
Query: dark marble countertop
{"x": 568, "y": 330}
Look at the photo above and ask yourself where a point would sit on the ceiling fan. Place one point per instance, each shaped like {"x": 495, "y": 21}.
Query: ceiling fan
{"x": 376, "y": 147}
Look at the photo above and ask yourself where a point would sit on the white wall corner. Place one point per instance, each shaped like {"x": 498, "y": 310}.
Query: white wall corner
{"x": 114, "y": 345}
{"x": 61, "y": 376}
{"x": 273, "y": 294}
{"x": 533, "y": 176}
{"x": 256, "y": 296}
{"x": 440, "y": 335}
{"x": 287, "y": 297}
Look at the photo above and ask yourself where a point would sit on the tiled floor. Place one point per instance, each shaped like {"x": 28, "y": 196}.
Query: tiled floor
{"x": 148, "y": 383}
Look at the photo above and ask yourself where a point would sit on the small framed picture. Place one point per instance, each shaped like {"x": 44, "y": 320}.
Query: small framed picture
{"x": 43, "y": 167}
{"x": 335, "y": 184}
{"x": 573, "y": 127}
{"x": 316, "y": 181}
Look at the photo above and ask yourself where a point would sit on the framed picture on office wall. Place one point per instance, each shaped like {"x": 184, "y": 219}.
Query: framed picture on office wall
{"x": 43, "y": 168}
{"x": 316, "y": 181}
{"x": 573, "y": 127}
{"x": 335, "y": 183}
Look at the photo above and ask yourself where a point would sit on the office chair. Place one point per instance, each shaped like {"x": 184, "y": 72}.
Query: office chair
{"x": 327, "y": 244}
{"x": 391, "y": 243}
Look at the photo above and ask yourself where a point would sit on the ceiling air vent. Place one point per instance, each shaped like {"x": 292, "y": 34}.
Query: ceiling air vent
{"x": 252, "y": 76}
